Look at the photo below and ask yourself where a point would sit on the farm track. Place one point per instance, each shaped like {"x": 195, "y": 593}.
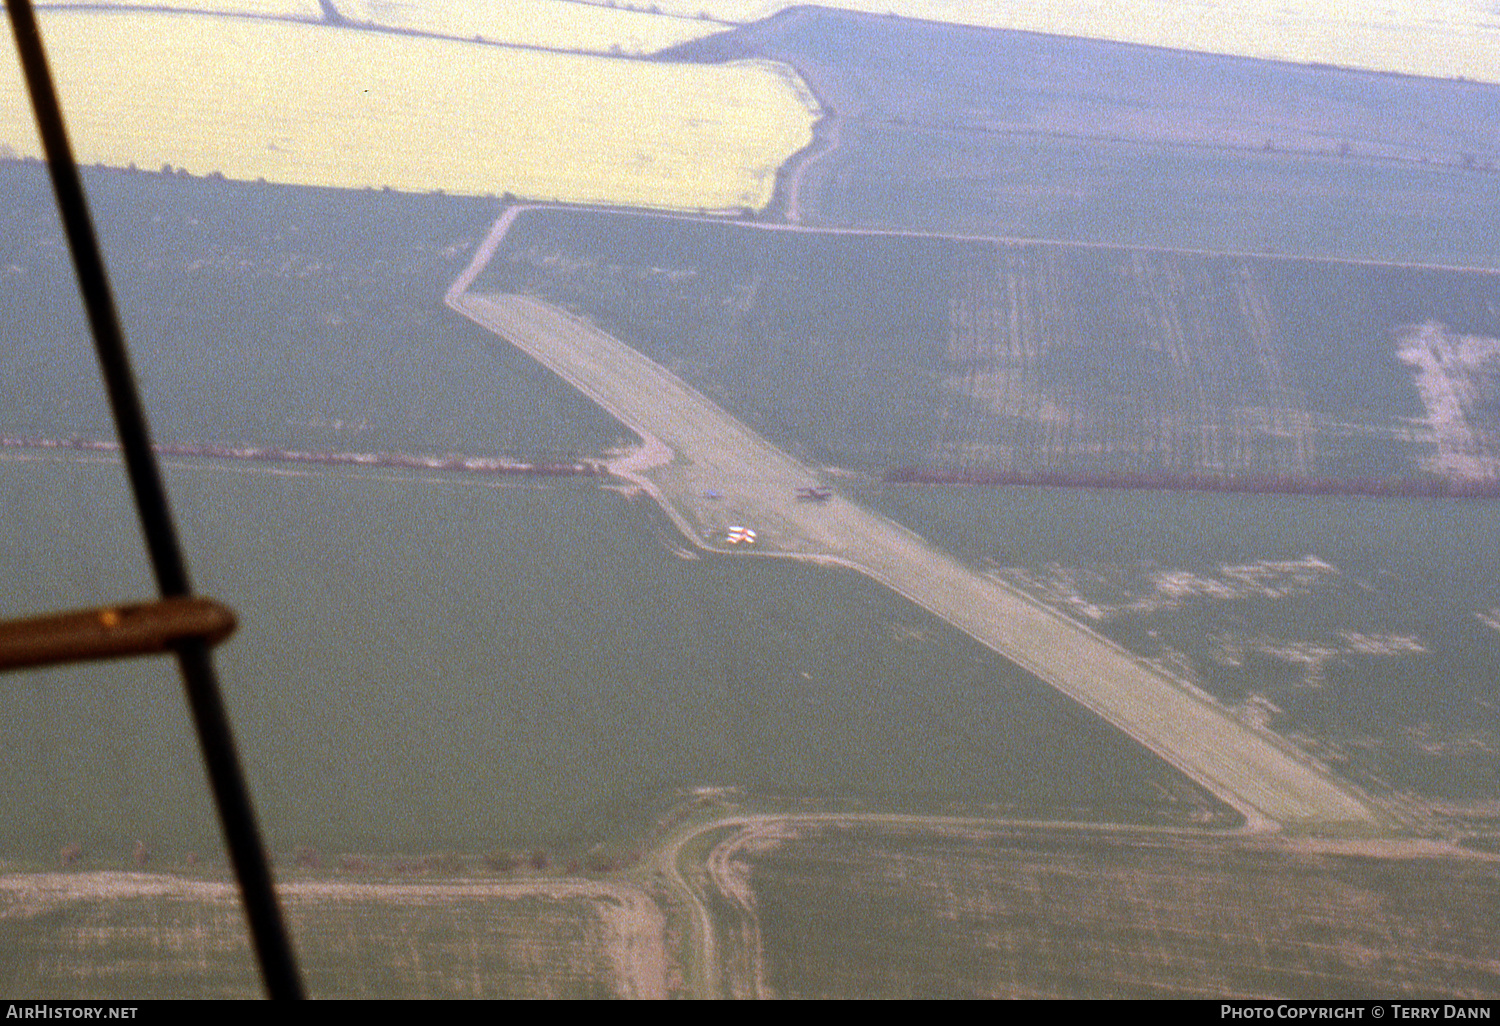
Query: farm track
{"x": 713, "y": 870}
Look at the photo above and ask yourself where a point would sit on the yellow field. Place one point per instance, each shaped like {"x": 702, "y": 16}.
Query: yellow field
{"x": 308, "y": 9}
{"x": 313, "y": 105}
{"x": 552, "y": 23}
{"x": 1437, "y": 38}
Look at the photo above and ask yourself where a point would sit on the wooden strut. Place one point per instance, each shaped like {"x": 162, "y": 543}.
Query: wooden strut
{"x": 113, "y": 632}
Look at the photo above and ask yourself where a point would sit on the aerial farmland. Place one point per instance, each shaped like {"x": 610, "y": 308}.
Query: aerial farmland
{"x": 549, "y": 24}
{"x": 734, "y": 499}
{"x": 565, "y": 126}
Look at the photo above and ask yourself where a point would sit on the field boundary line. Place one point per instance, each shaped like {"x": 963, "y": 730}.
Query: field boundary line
{"x": 1005, "y": 240}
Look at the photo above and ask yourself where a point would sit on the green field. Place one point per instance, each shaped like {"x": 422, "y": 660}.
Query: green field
{"x": 875, "y": 70}
{"x": 451, "y": 640}
{"x": 429, "y": 665}
{"x": 1125, "y": 193}
{"x": 709, "y": 471}
{"x": 1359, "y": 626}
{"x": 321, "y": 328}
{"x": 874, "y": 911}
{"x": 952, "y": 129}
{"x": 871, "y": 351}
{"x": 522, "y": 738}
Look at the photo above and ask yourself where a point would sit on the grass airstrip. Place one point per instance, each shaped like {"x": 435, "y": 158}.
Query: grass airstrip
{"x": 213, "y": 95}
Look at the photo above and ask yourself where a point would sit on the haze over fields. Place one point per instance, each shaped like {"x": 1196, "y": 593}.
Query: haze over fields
{"x": 746, "y": 499}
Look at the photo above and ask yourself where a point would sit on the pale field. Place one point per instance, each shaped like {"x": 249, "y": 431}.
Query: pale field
{"x": 307, "y": 9}
{"x": 552, "y": 23}
{"x": 1436, "y": 38}
{"x": 369, "y": 110}
{"x": 159, "y": 935}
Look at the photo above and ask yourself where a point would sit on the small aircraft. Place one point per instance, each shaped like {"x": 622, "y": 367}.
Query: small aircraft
{"x": 814, "y": 493}
{"x": 738, "y": 535}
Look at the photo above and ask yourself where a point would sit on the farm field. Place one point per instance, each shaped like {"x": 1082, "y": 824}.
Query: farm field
{"x": 1128, "y": 193}
{"x": 456, "y": 640}
{"x": 413, "y": 113}
{"x": 946, "y": 128}
{"x": 323, "y": 333}
{"x": 321, "y": 329}
{"x": 869, "y": 351}
{"x": 872, "y": 910}
{"x": 553, "y": 737}
{"x": 1369, "y": 646}
{"x": 118, "y": 935}
{"x": 325, "y": 330}
{"x": 1362, "y": 628}
{"x": 902, "y": 73}
{"x": 558, "y": 24}
{"x": 306, "y": 10}
{"x": 1456, "y": 37}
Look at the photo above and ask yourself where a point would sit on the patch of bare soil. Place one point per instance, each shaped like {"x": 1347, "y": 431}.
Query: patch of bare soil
{"x": 1455, "y": 376}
